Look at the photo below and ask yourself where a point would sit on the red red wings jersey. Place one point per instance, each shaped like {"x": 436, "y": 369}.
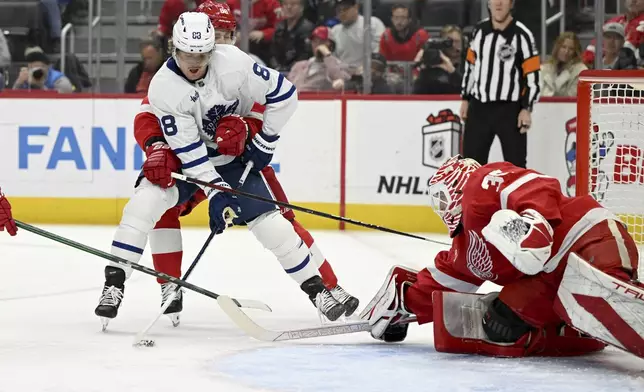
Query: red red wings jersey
{"x": 472, "y": 260}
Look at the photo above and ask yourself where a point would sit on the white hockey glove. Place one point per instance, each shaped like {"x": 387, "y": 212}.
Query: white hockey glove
{"x": 525, "y": 240}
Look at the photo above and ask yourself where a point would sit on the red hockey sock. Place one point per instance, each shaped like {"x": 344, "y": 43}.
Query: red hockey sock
{"x": 166, "y": 244}
{"x": 328, "y": 276}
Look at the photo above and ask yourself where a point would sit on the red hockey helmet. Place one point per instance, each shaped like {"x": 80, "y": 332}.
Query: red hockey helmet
{"x": 446, "y": 189}
{"x": 220, "y": 15}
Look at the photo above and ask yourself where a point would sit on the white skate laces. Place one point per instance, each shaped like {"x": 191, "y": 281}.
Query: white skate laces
{"x": 338, "y": 293}
{"x": 324, "y": 301}
{"x": 111, "y": 296}
{"x": 167, "y": 289}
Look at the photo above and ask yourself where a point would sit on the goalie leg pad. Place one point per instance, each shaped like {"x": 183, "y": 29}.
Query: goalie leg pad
{"x": 602, "y": 306}
{"x": 140, "y": 214}
{"x": 458, "y": 329}
{"x": 278, "y": 236}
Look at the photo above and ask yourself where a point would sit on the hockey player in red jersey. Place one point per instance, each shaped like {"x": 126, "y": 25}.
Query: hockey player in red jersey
{"x": 6, "y": 219}
{"x": 562, "y": 261}
{"x": 232, "y": 133}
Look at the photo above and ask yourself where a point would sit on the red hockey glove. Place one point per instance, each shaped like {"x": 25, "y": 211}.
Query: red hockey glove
{"x": 160, "y": 164}
{"x": 6, "y": 220}
{"x": 231, "y": 135}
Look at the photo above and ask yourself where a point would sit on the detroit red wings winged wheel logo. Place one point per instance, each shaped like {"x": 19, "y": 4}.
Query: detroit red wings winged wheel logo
{"x": 478, "y": 258}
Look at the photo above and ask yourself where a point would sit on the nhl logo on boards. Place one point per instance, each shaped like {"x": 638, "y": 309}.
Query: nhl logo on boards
{"x": 441, "y": 138}
{"x": 506, "y": 52}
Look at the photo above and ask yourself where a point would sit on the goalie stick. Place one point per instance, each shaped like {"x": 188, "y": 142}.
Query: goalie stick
{"x": 242, "y": 303}
{"x": 237, "y": 192}
{"x": 258, "y": 332}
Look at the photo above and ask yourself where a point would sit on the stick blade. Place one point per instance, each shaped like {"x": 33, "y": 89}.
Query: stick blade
{"x": 232, "y": 310}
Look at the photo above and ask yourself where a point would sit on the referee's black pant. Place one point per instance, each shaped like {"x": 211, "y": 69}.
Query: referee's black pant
{"x": 486, "y": 120}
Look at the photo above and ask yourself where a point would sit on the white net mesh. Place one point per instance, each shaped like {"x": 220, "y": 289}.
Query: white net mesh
{"x": 616, "y": 164}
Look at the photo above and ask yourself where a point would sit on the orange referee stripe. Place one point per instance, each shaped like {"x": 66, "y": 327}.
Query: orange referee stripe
{"x": 531, "y": 65}
{"x": 471, "y": 56}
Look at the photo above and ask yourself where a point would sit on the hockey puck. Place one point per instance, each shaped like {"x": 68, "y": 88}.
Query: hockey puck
{"x": 145, "y": 343}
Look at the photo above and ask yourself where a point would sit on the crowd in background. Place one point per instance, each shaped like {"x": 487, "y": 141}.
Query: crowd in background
{"x": 319, "y": 46}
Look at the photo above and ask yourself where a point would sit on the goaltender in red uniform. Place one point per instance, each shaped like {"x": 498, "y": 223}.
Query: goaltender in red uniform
{"x": 567, "y": 265}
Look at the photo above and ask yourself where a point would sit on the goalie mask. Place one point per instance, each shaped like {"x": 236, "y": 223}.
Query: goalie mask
{"x": 446, "y": 189}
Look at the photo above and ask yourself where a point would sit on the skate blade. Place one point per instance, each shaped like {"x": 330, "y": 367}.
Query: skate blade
{"x": 175, "y": 319}
{"x": 104, "y": 322}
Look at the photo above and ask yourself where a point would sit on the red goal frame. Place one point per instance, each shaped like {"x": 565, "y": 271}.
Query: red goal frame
{"x": 584, "y": 121}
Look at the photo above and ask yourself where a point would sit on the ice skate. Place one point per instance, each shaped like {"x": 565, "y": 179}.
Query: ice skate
{"x": 176, "y": 306}
{"x": 322, "y": 298}
{"x": 111, "y": 296}
{"x": 350, "y": 302}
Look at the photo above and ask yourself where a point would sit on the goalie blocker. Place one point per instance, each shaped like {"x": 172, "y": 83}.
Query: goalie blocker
{"x": 568, "y": 268}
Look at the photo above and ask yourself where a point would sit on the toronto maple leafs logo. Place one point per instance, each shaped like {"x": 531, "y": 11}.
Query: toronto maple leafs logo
{"x": 478, "y": 258}
{"x": 214, "y": 114}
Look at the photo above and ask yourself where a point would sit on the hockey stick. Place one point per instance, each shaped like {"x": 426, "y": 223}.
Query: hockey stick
{"x": 252, "y": 329}
{"x": 139, "y": 340}
{"x": 243, "y": 303}
{"x": 258, "y": 332}
{"x": 181, "y": 177}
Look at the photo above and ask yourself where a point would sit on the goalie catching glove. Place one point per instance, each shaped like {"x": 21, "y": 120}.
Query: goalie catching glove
{"x": 386, "y": 312}
{"x": 524, "y": 239}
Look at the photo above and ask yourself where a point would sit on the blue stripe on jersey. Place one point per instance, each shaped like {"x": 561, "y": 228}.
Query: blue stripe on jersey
{"x": 280, "y": 80}
{"x": 282, "y": 97}
{"x": 189, "y": 147}
{"x": 194, "y": 163}
{"x": 299, "y": 266}
{"x": 130, "y": 248}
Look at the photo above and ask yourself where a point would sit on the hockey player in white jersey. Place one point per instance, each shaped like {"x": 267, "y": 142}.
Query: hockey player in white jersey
{"x": 196, "y": 87}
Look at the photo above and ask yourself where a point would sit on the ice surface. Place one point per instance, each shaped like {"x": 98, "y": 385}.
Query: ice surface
{"x": 50, "y": 339}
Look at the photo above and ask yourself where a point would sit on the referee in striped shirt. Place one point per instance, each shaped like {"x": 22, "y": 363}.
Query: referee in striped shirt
{"x": 500, "y": 86}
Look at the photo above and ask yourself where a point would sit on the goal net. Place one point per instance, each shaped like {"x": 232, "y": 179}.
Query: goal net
{"x": 610, "y": 144}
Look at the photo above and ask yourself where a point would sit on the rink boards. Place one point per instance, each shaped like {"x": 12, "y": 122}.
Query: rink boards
{"x": 73, "y": 159}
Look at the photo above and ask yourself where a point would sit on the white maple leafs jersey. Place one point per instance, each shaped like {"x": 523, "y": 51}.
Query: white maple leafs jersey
{"x": 188, "y": 112}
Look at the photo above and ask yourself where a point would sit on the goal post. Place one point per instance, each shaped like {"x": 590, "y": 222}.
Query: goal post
{"x": 610, "y": 144}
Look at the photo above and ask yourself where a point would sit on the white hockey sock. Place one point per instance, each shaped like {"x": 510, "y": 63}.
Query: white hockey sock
{"x": 140, "y": 215}
{"x": 278, "y": 236}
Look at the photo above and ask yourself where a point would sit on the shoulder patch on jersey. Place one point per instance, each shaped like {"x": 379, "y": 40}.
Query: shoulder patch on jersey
{"x": 478, "y": 258}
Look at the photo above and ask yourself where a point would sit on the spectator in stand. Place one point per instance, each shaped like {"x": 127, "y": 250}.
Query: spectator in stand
{"x": 5, "y": 59}
{"x": 404, "y": 39}
{"x": 152, "y": 57}
{"x": 170, "y": 12}
{"x": 291, "y": 41}
{"x": 561, "y": 71}
{"x": 349, "y": 34}
{"x": 321, "y": 12}
{"x": 630, "y": 21}
{"x": 54, "y": 22}
{"x": 455, "y": 52}
{"x": 264, "y": 16}
{"x": 613, "y": 42}
{"x": 323, "y": 71}
{"x": 379, "y": 83}
{"x": 439, "y": 73}
{"x": 40, "y": 75}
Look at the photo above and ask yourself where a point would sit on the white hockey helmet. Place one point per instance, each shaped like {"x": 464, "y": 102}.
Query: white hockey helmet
{"x": 193, "y": 33}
